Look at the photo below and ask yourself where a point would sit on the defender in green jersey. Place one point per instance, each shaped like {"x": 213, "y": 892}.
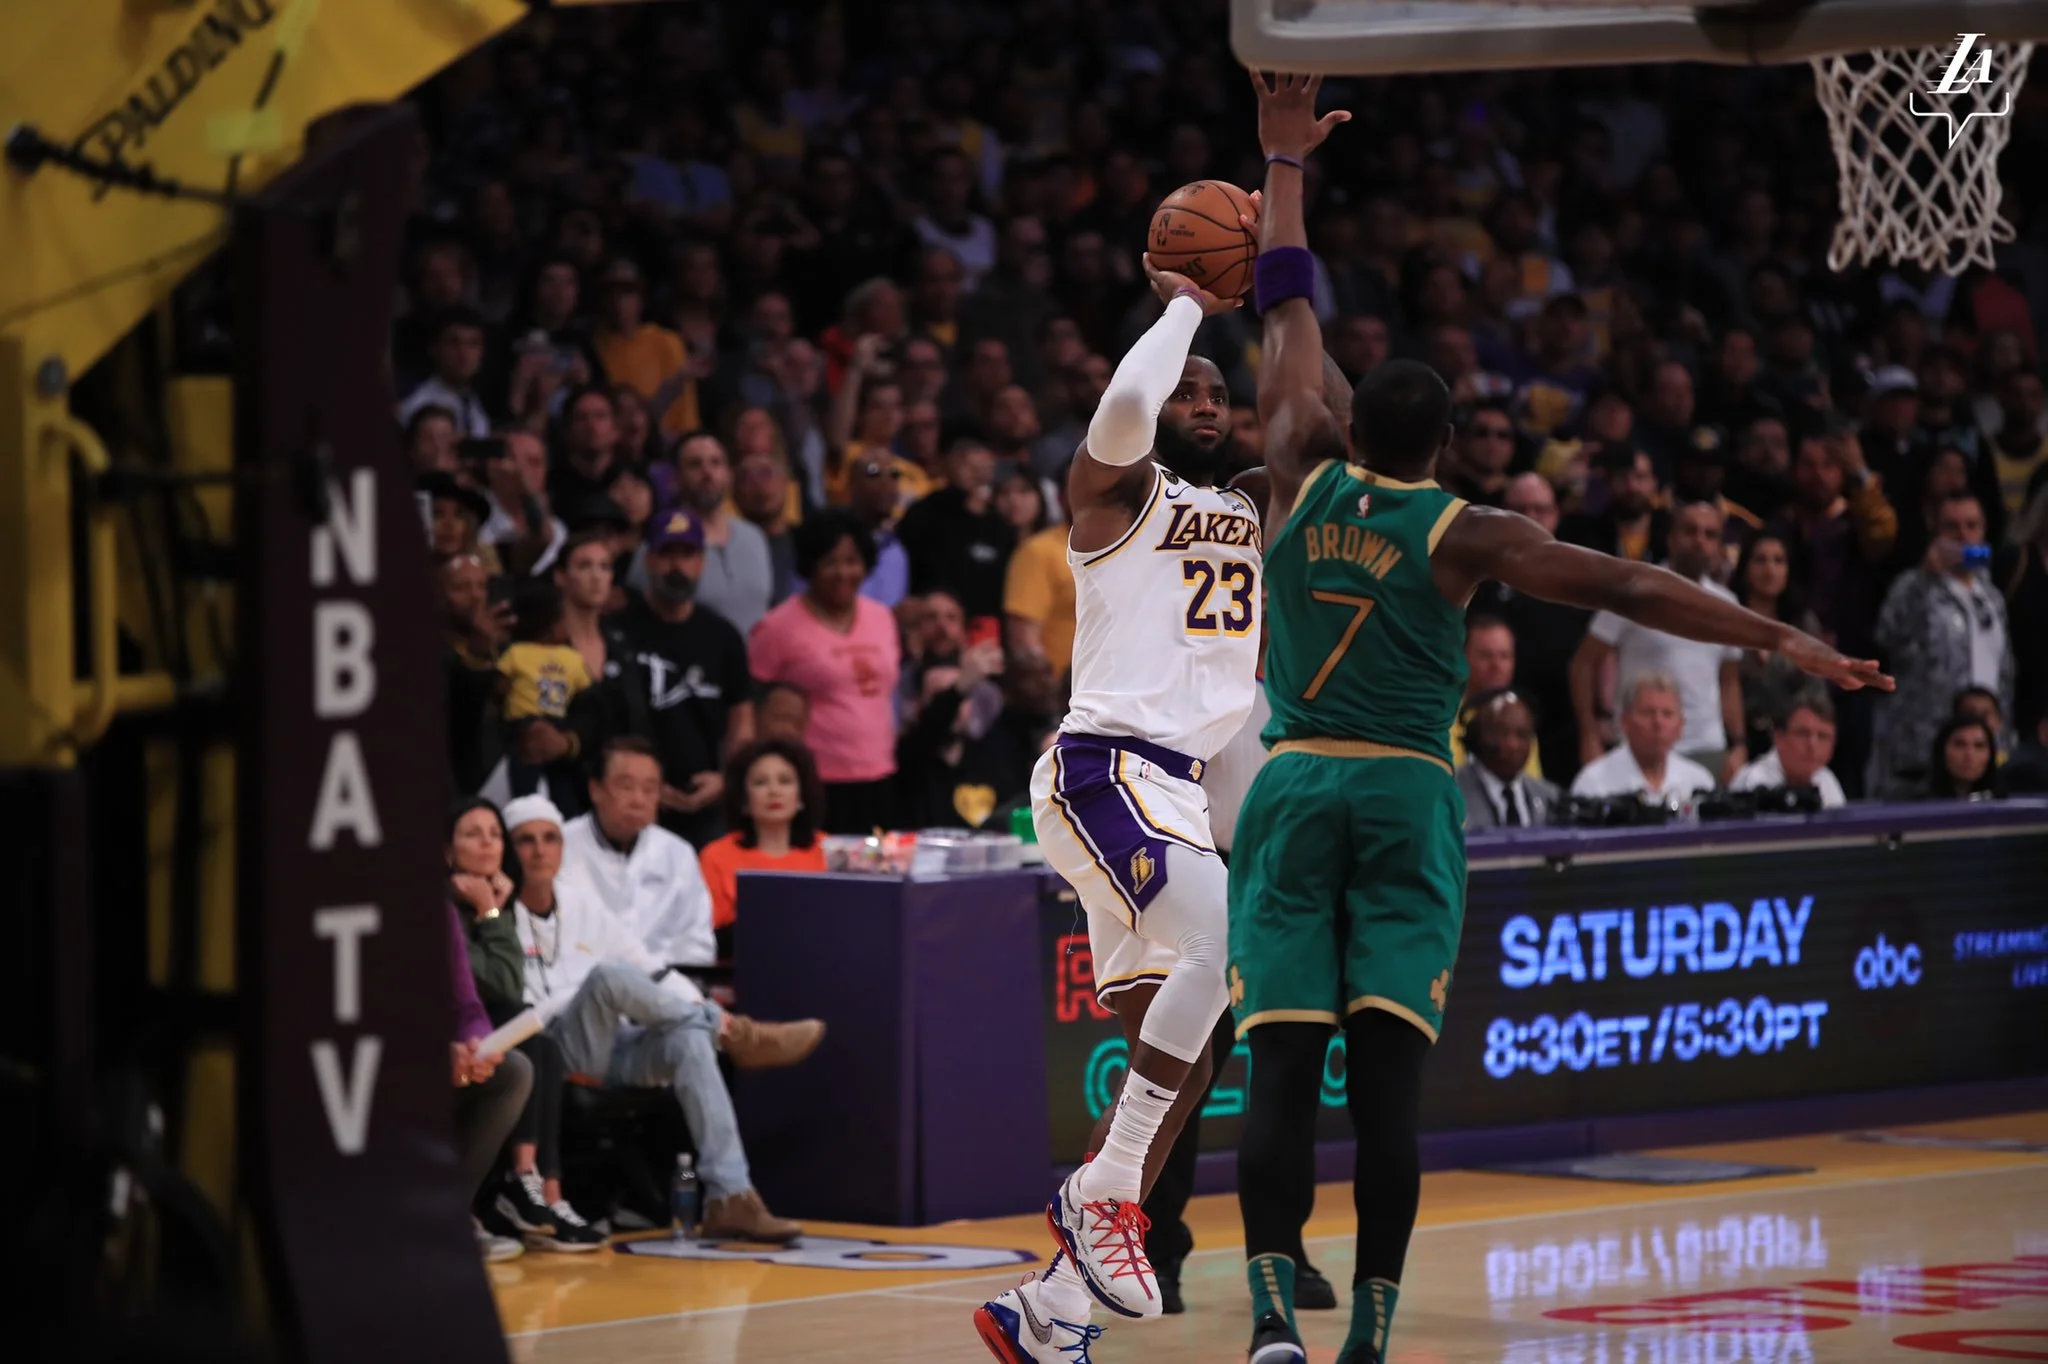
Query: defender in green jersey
{"x": 1360, "y": 767}
{"x": 1347, "y": 886}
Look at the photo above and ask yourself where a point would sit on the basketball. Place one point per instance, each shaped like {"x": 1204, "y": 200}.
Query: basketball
{"x": 1195, "y": 232}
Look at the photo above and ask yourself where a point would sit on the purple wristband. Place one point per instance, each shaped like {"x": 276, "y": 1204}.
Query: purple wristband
{"x": 1277, "y": 158}
{"x": 1187, "y": 291}
{"x": 1284, "y": 272}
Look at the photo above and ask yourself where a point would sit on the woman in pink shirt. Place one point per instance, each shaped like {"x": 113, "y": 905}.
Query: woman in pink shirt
{"x": 842, "y": 651}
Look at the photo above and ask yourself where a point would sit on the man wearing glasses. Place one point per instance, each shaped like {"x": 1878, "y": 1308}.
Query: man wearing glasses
{"x": 1486, "y": 446}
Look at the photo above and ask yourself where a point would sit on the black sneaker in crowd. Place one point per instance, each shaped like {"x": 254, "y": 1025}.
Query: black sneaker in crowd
{"x": 1274, "y": 1342}
{"x": 521, "y": 1202}
{"x": 1312, "y": 1292}
{"x": 571, "y": 1235}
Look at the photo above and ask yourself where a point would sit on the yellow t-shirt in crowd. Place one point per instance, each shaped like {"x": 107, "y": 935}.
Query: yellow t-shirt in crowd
{"x": 544, "y": 679}
{"x": 643, "y": 362}
{"x": 1040, "y": 587}
{"x": 912, "y": 482}
{"x": 2014, "y": 473}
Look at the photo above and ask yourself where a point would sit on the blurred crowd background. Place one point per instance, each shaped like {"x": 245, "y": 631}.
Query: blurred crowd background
{"x": 743, "y": 349}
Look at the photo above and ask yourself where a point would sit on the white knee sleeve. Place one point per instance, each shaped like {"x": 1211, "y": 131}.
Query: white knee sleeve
{"x": 1192, "y": 915}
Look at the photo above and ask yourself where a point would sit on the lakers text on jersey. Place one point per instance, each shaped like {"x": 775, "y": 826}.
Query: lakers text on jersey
{"x": 1166, "y": 637}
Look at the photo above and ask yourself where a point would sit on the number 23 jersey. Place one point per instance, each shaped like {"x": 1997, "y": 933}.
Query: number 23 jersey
{"x": 1166, "y": 638}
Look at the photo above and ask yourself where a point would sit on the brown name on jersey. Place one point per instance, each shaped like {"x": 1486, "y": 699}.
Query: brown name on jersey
{"x": 1353, "y": 544}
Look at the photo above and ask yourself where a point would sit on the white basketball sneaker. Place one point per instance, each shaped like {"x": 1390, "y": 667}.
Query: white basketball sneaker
{"x": 1106, "y": 1241}
{"x": 1018, "y": 1328}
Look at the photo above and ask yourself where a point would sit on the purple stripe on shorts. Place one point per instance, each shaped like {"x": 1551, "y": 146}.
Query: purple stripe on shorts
{"x": 1165, "y": 759}
{"x": 1085, "y": 789}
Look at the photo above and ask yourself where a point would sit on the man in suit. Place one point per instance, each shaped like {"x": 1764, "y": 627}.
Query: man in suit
{"x": 1499, "y": 792}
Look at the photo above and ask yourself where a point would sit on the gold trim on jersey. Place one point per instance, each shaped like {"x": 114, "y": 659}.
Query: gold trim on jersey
{"x": 1366, "y": 475}
{"x": 1118, "y": 984}
{"x": 1443, "y": 522}
{"x": 1144, "y": 514}
{"x": 1309, "y": 481}
{"x": 1398, "y": 1010}
{"x": 1249, "y": 508}
{"x": 1354, "y": 748}
{"x": 1328, "y": 1016}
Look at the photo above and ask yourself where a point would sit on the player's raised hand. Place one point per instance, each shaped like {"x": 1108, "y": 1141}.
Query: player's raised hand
{"x": 1811, "y": 656}
{"x": 1288, "y": 125}
{"x": 1167, "y": 283}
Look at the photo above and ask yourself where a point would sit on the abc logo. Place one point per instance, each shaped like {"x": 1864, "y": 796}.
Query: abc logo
{"x": 1883, "y": 966}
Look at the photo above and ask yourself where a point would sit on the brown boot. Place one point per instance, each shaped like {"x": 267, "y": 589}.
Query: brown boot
{"x": 754, "y": 1045}
{"x": 744, "y": 1217}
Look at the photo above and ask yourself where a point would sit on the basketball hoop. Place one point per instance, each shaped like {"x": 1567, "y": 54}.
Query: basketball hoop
{"x": 1917, "y": 133}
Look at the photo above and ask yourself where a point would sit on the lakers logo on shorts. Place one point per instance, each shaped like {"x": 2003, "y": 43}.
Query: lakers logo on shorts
{"x": 1195, "y": 770}
{"x": 1142, "y": 867}
{"x": 1440, "y": 990}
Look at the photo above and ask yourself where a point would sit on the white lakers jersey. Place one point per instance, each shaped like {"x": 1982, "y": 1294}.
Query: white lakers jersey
{"x": 1166, "y": 638}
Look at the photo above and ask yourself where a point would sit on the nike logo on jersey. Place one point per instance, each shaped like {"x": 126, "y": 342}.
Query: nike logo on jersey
{"x": 1189, "y": 527}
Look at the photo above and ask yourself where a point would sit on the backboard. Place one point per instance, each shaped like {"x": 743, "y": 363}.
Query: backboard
{"x": 1406, "y": 37}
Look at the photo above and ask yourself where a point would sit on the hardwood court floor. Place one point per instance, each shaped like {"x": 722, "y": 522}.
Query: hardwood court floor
{"x": 1885, "y": 1252}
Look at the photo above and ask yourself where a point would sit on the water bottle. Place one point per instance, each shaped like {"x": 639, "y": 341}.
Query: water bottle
{"x": 682, "y": 1199}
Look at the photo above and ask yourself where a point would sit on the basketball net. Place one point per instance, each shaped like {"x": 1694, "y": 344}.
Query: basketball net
{"x": 1917, "y": 133}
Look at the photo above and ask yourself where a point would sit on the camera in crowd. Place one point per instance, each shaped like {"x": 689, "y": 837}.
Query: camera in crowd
{"x": 1612, "y": 812}
{"x": 1769, "y": 800}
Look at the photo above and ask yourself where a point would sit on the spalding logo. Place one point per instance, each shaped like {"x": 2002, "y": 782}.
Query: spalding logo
{"x": 834, "y": 1252}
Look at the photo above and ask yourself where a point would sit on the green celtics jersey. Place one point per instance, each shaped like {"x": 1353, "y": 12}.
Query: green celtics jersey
{"x": 1360, "y": 645}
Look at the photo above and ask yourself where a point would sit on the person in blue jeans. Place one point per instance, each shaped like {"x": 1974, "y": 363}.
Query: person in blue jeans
{"x": 623, "y": 1019}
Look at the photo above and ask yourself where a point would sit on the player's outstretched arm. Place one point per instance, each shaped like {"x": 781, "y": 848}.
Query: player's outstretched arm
{"x": 1109, "y": 478}
{"x": 1483, "y": 543}
{"x": 1300, "y": 432}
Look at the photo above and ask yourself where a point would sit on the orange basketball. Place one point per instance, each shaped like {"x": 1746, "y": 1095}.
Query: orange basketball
{"x": 1195, "y": 232}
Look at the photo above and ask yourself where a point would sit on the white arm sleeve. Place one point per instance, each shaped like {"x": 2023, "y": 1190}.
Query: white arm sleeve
{"x": 1122, "y": 429}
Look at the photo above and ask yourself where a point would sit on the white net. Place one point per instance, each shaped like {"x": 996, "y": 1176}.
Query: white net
{"x": 1917, "y": 133}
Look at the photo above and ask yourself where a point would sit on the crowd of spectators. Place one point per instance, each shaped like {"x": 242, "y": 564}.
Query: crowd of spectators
{"x": 743, "y": 349}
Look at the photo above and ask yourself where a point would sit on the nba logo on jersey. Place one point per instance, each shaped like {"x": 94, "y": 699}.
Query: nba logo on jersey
{"x": 1364, "y": 503}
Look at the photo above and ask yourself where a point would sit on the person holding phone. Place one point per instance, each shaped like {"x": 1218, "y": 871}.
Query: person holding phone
{"x": 1944, "y": 626}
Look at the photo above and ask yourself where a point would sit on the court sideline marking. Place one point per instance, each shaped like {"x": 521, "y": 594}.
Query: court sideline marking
{"x": 1464, "y": 1224}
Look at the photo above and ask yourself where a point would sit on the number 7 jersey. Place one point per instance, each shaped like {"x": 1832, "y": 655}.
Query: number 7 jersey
{"x": 1166, "y": 629}
{"x": 1362, "y": 648}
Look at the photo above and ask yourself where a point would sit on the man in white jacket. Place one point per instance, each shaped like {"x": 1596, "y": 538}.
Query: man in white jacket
{"x": 624, "y": 1019}
{"x": 643, "y": 873}
{"x": 1643, "y": 764}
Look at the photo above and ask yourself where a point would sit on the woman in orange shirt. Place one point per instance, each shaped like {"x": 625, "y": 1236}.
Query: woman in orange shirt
{"x": 772, "y": 803}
